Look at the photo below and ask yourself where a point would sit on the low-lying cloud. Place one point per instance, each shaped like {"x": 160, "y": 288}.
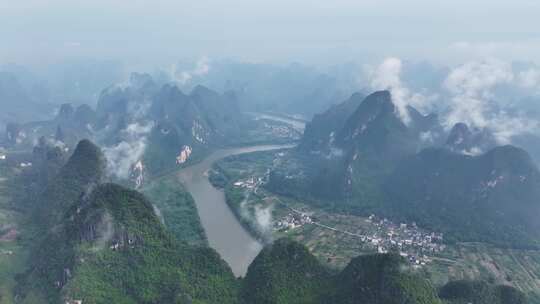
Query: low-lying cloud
{"x": 471, "y": 88}
{"x": 387, "y": 76}
{"x": 468, "y": 95}
{"x": 201, "y": 68}
{"x": 530, "y": 79}
{"x": 263, "y": 217}
{"x": 122, "y": 156}
{"x": 472, "y": 100}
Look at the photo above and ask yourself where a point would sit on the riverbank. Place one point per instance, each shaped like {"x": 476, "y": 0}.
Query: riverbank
{"x": 237, "y": 197}
{"x": 224, "y": 232}
{"x": 266, "y": 129}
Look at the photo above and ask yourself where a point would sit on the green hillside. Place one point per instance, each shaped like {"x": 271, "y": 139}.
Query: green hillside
{"x": 104, "y": 243}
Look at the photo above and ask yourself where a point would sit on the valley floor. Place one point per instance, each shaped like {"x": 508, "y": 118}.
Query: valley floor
{"x": 336, "y": 238}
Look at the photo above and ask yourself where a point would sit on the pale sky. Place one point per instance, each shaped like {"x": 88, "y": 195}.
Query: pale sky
{"x": 280, "y": 31}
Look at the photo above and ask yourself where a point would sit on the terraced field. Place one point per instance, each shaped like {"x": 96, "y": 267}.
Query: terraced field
{"x": 520, "y": 268}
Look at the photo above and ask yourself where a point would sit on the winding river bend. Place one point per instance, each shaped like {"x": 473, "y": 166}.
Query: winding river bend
{"x": 225, "y": 234}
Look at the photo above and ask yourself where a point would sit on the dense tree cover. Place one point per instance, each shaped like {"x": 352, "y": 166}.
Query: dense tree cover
{"x": 285, "y": 272}
{"x": 111, "y": 248}
{"x": 480, "y": 292}
{"x": 84, "y": 169}
{"x": 105, "y": 244}
{"x": 381, "y": 279}
{"x": 177, "y": 209}
{"x": 493, "y": 197}
{"x": 227, "y": 171}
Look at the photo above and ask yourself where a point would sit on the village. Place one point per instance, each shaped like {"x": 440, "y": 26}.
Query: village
{"x": 281, "y": 131}
{"x": 250, "y": 183}
{"x": 374, "y": 233}
{"x": 381, "y": 236}
{"x": 277, "y": 129}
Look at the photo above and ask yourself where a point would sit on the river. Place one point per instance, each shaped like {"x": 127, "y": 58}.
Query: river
{"x": 225, "y": 234}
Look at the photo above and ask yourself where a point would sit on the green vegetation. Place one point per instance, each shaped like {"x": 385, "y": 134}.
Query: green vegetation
{"x": 489, "y": 198}
{"x": 367, "y": 161}
{"x": 105, "y": 244}
{"x": 12, "y": 254}
{"x": 381, "y": 279}
{"x": 83, "y": 171}
{"x": 285, "y": 272}
{"x": 479, "y": 261}
{"x": 480, "y": 292}
{"x": 114, "y": 250}
{"x": 177, "y": 209}
{"x": 233, "y": 168}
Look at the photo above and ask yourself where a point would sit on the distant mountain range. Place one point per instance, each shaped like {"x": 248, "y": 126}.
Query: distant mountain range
{"x": 294, "y": 88}
{"x": 143, "y": 125}
{"x": 460, "y": 181}
{"x": 169, "y": 121}
{"x": 18, "y": 103}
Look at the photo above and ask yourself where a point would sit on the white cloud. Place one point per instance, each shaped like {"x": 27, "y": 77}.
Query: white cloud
{"x": 428, "y": 137}
{"x": 471, "y": 88}
{"x": 478, "y": 77}
{"x": 529, "y": 79}
{"x": 474, "y": 151}
{"x": 202, "y": 67}
{"x": 387, "y": 76}
{"x": 122, "y": 156}
{"x": 505, "y": 127}
{"x": 263, "y": 216}
{"x": 471, "y": 85}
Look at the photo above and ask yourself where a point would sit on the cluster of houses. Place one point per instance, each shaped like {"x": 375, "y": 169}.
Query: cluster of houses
{"x": 412, "y": 243}
{"x": 6, "y": 252}
{"x": 281, "y": 131}
{"x": 25, "y": 164}
{"x": 377, "y": 234}
{"x": 293, "y": 220}
{"x": 250, "y": 183}
{"x": 3, "y": 155}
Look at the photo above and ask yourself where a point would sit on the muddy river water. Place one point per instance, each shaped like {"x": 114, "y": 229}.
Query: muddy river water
{"x": 225, "y": 234}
